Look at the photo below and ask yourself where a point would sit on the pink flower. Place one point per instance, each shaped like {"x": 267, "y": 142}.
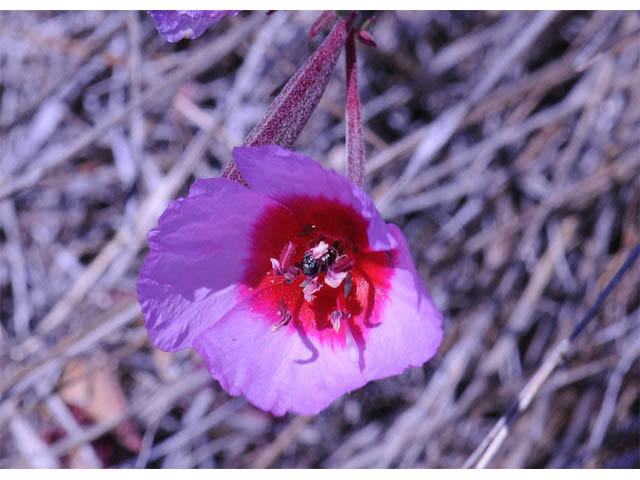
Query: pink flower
{"x": 179, "y": 24}
{"x": 293, "y": 290}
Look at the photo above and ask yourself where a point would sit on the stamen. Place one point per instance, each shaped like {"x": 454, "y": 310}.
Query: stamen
{"x": 287, "y": 254}
{"x": 277, "y": 268}
{"x": 291, "y": 274}
{"x": 343, "y": 263}
{"x": 283, "y": 266}
{"x": 336, "y": 318}
{"x": 310, "y": 286}
{"x": 285, "y": 316}
{"x": 334, "y": 279}
{"x": 319, "y": 250}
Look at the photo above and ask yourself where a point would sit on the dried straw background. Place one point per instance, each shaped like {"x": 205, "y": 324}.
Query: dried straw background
{"x": 506, "y": 145}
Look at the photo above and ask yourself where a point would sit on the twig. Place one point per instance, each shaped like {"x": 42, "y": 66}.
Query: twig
{"x": 631, "y": 353}
{"x": 494, "y": 439}
{"x": 486, "y": 148}
{"x": 444, "y": 127}
{"x": 90, "y": 46}
{"x": 148, "y": 404}
{"x": 185, "y": 435}
{"x": 272, "y": 451}
{"x": 522, "y": 314}
{"x": 202, "y": 60}
{"x": 150, "y": 172}
{"x": 30, "y": 445}
{"x": 584, "y": 190}
{"x": 147, "y": 443}
{"x": 17, "y": 264}
{"x": 147, "y": 215}
{"x": 65, "y": 418}
{"x": 104, "y": 326}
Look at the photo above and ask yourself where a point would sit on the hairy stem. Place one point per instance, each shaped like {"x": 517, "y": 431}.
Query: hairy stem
{"x": 291, "y": 109}
{"x": 355, "y": 137}
{"x": 325, "y": 19}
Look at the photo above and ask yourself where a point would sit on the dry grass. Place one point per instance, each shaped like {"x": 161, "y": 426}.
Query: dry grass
{"x": 506, "y": 145}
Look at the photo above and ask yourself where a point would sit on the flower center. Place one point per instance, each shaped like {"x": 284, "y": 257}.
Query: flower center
{"x": 336, "y": 303}
{"x": 311, "y": 262}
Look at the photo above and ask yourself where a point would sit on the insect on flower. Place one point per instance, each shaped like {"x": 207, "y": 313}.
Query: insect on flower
{"x": 294, "y": 292}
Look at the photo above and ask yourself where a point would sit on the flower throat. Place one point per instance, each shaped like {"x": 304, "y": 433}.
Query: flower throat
{"x": 322, "y": 261}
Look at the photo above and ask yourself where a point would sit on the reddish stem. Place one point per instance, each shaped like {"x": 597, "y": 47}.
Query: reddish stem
{"x": 325, "y": 19}
{"x": 289, "y": 112}
{"x": 355, "y": 137}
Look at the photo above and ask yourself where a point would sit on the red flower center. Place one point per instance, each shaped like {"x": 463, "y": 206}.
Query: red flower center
{"x": 310, "y": 270}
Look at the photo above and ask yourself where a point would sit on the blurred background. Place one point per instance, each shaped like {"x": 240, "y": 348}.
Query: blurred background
{"x": 506, "y": 146}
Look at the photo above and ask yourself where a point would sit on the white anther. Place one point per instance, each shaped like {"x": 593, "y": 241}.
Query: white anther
{"x": 319, "y": 250}
{"x": 275, "y": 264}
{"x": 310, "y": 288}
{"x": 334, "y": 279}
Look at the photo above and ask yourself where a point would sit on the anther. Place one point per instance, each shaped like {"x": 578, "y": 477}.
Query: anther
{"x": 336, "y": 318}
{"x": 276, "y": 266}
{"x": 343, "y": 263}
{"x": 334, "y": 279}
{"x": 287, "y": 254}
{"x": 283, "y": 267}
{"x": 319, "y": 250}
{"x": 309, "y": 287}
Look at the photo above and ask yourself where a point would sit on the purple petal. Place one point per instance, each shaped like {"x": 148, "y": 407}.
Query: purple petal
{"x": 179, "y": 24}
{"x": 284, "y": 175}
{"x": 277, "y": 371}
{"x": 199, "y": 250}
{"x": 411, "y": 327}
